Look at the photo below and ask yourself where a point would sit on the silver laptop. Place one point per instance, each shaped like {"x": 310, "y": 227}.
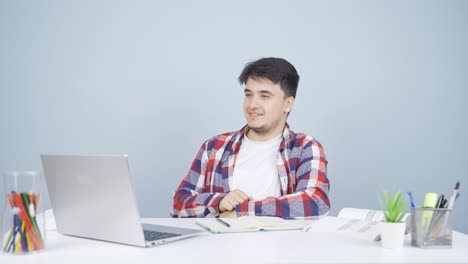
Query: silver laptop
{"x": 92, "y": 197}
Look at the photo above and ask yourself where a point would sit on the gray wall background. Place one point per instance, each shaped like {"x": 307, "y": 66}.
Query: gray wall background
{"x": 383, "y": 87}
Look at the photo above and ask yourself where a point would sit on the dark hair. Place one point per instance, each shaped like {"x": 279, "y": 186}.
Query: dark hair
{"x": 277, "y": 70}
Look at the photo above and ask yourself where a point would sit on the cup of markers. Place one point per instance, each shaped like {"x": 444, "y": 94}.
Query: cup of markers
{"x": 432, "y": 224}
{"x": 23, "y": 228}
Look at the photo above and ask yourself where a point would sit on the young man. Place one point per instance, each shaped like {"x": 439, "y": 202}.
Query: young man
{"x": 265, "y": 169}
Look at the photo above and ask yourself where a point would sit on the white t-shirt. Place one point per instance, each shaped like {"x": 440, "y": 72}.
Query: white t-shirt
{"x": 255, "y": 172}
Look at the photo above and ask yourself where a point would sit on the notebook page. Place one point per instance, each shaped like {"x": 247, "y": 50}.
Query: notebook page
{"x": 361, "y": 214}
{"x": 368, "y": 230}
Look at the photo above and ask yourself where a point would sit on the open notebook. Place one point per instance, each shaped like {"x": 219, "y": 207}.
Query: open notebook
{"x": 247, "y": 224}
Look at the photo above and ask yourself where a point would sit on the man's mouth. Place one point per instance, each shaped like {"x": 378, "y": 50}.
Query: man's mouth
{"x": 255, "y": 114}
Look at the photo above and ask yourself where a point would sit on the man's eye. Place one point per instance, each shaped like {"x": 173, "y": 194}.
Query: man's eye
{"x": 248, "y": 95}
{"x": 265, "y": 96}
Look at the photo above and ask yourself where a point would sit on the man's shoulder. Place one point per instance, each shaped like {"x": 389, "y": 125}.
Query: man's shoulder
{"x": 305, "y": 145}
{"x": 219, "y": 140}
{"x": 224, "y": 136}
{"x": 301, "y": 139}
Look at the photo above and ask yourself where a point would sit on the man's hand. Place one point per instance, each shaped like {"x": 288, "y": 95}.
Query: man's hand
{"x": 233, "y": 198}
{"x": 228, "y": 214}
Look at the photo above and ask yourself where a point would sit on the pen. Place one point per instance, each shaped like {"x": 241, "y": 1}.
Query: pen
{"x": 223, "y": 222}
{"x": 411, "y": 199}
{"x": 449, "y": 207}
{"x": 454, "y": 196}
{"x": 440, "y": 201}
{"x": 444, "y": 203}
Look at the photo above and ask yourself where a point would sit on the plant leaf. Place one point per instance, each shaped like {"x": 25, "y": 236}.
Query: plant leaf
{"x": 388, "y": 200}
{"x": 382, "y": 206}
{"x": 402, "y": 213}
{"x": 395, "y": 209}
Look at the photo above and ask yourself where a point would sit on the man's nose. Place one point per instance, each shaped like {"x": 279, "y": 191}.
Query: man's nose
{"x": 253, "y": 103}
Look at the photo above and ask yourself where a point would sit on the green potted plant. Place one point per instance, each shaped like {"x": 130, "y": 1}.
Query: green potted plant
{"x": 394, "y": 209}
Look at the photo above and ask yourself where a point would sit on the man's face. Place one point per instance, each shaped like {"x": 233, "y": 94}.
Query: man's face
{"x": 265, "y": 107}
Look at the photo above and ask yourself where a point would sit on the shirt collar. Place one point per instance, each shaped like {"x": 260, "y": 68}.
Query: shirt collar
{"x": 287, "y": 135}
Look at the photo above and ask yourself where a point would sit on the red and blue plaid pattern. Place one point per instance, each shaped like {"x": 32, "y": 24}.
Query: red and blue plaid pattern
{"x": 302, "y": 169}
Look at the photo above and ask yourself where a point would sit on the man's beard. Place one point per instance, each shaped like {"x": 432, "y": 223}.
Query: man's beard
{"x": 265, "y": 129}
{"x": 260, "y": 130}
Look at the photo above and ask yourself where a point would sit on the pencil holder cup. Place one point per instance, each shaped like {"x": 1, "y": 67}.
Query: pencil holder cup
{"x": 431, "y": 227}
{"x": 22, "y": 222}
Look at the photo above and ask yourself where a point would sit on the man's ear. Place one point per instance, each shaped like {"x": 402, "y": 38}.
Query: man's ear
{"x": 288, "y": 104}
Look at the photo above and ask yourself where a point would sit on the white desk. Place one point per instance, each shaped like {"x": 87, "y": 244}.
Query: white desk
{"x": 259, "y": 247}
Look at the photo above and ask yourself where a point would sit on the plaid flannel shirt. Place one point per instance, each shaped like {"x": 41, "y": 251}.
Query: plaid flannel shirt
{"x": 302, "y": 171}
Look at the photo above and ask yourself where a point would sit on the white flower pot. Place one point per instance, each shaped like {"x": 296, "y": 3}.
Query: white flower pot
{"x": 392, "y": 234}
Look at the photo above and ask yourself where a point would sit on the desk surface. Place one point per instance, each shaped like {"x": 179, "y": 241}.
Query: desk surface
{"x": 258, "y": 247}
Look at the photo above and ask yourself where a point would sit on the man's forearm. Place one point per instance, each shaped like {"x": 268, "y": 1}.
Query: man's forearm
{"x": 188, "y": 204}
{"x": 308, "y": 203}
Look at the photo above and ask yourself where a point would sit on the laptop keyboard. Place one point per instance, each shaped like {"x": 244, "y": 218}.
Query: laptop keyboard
{"x": 154, "y": 235}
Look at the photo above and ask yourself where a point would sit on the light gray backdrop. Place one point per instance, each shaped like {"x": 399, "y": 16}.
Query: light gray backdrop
{"x": 383, "y": 87}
